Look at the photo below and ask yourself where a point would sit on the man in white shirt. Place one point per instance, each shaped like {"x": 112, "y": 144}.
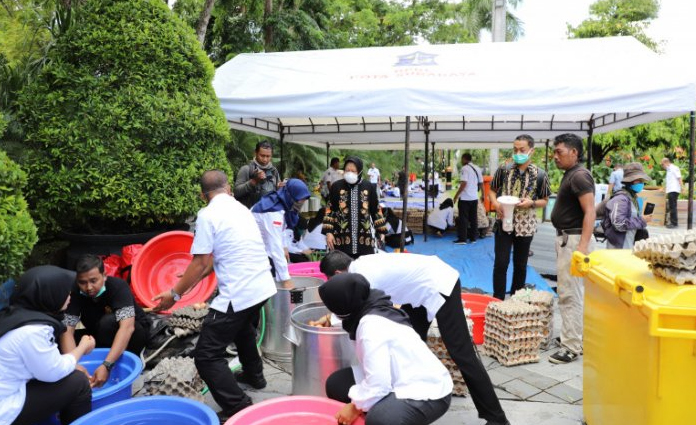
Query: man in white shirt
{"x": 470, "y": 181}
{"x": 330, "y": 176}
{"x": 228, "y": 241}
{"x": 427, "y": 288}
{"x": 375, "y": 176}
{"x": 673, "y": 185}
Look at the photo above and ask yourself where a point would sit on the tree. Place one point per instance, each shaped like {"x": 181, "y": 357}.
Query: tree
{"x": 618, "y": 17}
{"x": 121, "y": 121}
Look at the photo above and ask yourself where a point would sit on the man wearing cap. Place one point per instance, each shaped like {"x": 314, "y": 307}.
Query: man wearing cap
{"x": 573, "y": 216}
{"x": 623, "y": 216}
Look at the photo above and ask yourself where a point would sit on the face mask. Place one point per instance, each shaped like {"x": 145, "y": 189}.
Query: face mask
{"x": 637, "y": 187}
{"x": 350, "y": 177}
{"x": 101, "y": 291}
{"x": 297, "y": 206}
{"x": 520, "y": 158}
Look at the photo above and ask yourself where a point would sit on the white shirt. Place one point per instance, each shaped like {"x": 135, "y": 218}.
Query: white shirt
{"x": 27, "y": 353}
{"x": 292, "y": 246}
{"x": 441, "y": 219}
{"x": 315, "y": 239}
{"x": 672, "y": 178}
{"x": 419, "y": 280}
{"x": 330, "y": 176}
{"x": 393, "y": 358}
{"x": 471, "y": 174}
{"x": 373, "y": 173}
{"x": 272, "y": 227}
{"x": 226, "y": 229}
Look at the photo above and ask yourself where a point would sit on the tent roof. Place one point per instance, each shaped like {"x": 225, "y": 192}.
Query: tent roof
{"x": 470, "y": 93}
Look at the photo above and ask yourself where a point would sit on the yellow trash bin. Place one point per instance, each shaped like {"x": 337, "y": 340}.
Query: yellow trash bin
{"x": 639, "y": 343}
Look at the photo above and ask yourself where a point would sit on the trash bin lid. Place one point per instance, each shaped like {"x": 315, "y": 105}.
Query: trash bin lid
{"x": 161, "y": 263}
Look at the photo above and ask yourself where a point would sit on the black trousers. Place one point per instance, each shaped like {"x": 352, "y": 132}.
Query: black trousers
{"x": 218, "y": 331}
{"x": 71, "y": 397}
{"x": 457, "y": 340}
{"x": 105, "y": 332}
{"x": 672, "y": 206}
{"x": 389, "y": 410}
{"x": 467, "y": 222}
{"x": 520, "y": 254}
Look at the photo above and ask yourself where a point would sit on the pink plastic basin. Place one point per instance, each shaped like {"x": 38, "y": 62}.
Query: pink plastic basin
{"x": 291, "y": 410}
{"x": 306, "y": 269}
{"x": 477, "y": 303}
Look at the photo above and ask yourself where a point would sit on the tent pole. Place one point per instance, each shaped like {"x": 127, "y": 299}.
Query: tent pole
{"x": 589, "y": 146}
{"x": 426, "y": 126}
{"x": 438, "y": 182}
{"x": 282, "y": 153}
{"x": 405, "y": 194}
{"x": 692, "y": 137}
{"x": 327, "y": 155}
{"x": 546, "y": 161}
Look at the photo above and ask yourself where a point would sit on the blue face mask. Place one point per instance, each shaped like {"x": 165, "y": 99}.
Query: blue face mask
{"x": 101, "y": 291}
{"x": 637, "y": 187}
{"x": 520, "y": 158}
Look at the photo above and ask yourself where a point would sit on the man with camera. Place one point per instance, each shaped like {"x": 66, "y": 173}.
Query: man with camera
{"x": 257, "y": 178}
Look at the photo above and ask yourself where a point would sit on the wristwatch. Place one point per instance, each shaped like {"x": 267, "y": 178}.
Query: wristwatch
{"x": 176, "y": 296}
{"x": 108, "y": 365}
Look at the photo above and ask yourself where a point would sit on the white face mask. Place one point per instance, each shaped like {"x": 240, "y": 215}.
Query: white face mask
{"x": 350, "y": 177}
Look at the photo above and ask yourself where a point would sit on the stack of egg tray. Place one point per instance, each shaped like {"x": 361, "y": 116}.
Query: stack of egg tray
{"x": 514, "y": 332}
{"x": 671, "y": 257}
{"x": 543, "y": 300}
{"x": 175, "y": 376}
{"x": 188, "y": 318}
{"x": 438, "y": 348}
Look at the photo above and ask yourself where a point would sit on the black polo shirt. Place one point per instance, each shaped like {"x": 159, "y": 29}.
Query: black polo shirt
{"x": 567, "y": 212}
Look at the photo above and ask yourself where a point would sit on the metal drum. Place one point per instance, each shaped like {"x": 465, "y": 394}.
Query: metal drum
{"x": 278, "y": 309}
{"x": 316, "y": 352}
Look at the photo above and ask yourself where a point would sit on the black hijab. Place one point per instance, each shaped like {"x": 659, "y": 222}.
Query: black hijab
{"x": 38, "y": 298}
{"x": 358, "y": 164}
{"x": 348, "y": 296}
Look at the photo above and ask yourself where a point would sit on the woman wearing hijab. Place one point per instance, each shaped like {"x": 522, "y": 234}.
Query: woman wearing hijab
{"x": 442, "y": 218}
{"x": 398, "y": 380}
{"x": 353, "y": 214}
{"x": 623, "y": 216}
{"x": 37, "y": 381}
{"x": 275, "y": 212}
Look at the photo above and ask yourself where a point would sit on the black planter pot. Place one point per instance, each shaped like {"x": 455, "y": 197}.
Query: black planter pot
{"x": 81, "y": 244}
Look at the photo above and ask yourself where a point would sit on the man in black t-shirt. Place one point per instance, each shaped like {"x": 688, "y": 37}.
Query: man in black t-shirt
{"x": 573, "y": 216}
{"x": 107, "y": 309}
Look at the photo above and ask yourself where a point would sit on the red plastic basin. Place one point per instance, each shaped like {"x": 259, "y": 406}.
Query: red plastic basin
{"x": 477, "y": 303}
{"x": 291, "y": 410}
{"x": 161, "y": 263}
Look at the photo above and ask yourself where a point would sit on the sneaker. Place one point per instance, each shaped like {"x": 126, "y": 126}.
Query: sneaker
{"x": 224, "y": 416}
{"x": 498, "y": 423}
{"x": 672, "y": 226}
{"x": 255, "y": 381}
{"x": 563, "y": 356}
{"x": 459, "y": 242}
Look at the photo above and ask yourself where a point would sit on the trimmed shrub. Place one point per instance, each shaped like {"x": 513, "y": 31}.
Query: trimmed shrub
{"x": 17, "y": 229}
{"x": 122, "y": 121}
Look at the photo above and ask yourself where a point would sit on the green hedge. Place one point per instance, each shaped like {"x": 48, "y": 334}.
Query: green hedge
{"x": 122, "y": 121}
{"x": 17, "y": 229}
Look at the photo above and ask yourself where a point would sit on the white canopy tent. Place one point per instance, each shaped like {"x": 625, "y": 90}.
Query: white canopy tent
{"x": 465, "y": 95}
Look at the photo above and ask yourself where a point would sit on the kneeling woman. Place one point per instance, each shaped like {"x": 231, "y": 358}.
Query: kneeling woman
{"x": 399, "y": 380}
{"x": 37, "y": 381}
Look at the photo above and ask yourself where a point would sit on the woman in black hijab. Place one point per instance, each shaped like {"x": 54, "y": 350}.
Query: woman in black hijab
{"x": 399, "y": 380}
{"x": 353, "y": 214}
{"x": 37, "y": 381}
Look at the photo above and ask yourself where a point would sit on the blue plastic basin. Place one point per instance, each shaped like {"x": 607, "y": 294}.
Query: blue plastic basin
{"x": 154, "y": 410}
{"x": 120, "y": 384}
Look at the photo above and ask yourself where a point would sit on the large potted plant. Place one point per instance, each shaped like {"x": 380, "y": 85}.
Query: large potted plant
{"x": 121, "y": 122}
{"x": 17, "y": 229}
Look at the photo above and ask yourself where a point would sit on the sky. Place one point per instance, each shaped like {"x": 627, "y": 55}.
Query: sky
{"x": 548, "y": 19}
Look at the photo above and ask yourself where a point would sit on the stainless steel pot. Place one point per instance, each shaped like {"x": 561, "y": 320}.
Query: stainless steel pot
{"x": 278, "y": 310}
{"x": 316, "y": 352}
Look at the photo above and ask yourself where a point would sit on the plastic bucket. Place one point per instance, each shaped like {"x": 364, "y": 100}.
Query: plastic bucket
{"x": 120, "y": 384}
{"x": 291, "y": 410}
{"x": 316, "y": 352}
{"x": 154, "y": 410}
{"x": 477, "y": 303}
{"x": 160, "y": 264}
{"x": 278, "y": 310}
{"x": 310, "y": 268}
